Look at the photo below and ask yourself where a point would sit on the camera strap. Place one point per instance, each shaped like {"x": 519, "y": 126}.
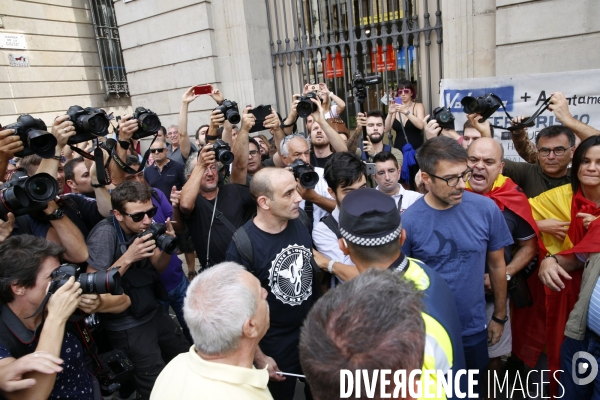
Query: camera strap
{"x": 529, "y": 122}
{"x": 102, "y": 172}
{"x": 123, "y": 165}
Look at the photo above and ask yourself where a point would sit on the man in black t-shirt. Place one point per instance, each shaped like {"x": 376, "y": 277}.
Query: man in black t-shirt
{"x": 282, "y": 253}
{"x": 212, "y": 213}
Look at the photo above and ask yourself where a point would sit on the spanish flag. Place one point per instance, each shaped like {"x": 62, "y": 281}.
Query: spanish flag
{"x": 543, "y": 324}
{"x": 507, "y": 193}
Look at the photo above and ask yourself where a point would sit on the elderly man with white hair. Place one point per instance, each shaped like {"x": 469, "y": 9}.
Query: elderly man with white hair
{"x": 227, "y": 313}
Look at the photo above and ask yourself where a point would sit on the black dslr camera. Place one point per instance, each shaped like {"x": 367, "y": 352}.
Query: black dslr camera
{"x": 306, "y": 173}
{"x": 444, "y": 117}
{"x": 482, "y": 105}
{"x": 148, "y": 123}
{"x": 89, "y": 123}
{"x": 35, "y": 137}
{"x": 24, "y": 194}
{"x": 230, "y": 110}
{"x": 100, "y": 282}
{"x": 166, "y": 243}
{"x": 223, "y": 152}
{"x": 305, "y": 106}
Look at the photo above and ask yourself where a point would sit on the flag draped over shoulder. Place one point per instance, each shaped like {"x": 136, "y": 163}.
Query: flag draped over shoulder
{"x": 543, "y": 324}
{"x": 507, "y": 193}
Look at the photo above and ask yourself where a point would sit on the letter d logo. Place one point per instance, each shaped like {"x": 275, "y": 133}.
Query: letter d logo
{"x": 582, "y": 367}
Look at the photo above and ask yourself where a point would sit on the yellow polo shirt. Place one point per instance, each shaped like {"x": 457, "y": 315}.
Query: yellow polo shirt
{"x": 188, "y": 376}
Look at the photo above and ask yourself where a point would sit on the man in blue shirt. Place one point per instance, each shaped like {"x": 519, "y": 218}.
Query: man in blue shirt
{"x": 454, "y": 232}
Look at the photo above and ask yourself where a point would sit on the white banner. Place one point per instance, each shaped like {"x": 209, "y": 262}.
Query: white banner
{"x": 523, "y": 95}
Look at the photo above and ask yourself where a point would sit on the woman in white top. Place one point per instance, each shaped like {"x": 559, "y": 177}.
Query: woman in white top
{"x": 329, "y": 111}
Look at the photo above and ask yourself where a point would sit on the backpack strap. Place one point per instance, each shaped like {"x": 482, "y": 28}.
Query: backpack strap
{"x": 155, "y": 195}
{"x": 303, "y": 217}
{"x": 332, "y": 224}
{"x": 244, "y": 247}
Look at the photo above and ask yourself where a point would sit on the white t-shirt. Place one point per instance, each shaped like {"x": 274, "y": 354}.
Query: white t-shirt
{"x": 321, "y": 189}
{"x": 332, "y": 113}
{"x": 408, "y": 197}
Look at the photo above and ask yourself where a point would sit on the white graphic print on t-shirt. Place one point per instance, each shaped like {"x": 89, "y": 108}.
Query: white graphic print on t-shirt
{"x": 290, "y": 276}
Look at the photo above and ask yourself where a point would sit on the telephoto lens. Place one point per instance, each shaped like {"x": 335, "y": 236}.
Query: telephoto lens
{"x": 100, "y": 282}
{"x": 305, "y": 173}
{"x": 223, "y": 152}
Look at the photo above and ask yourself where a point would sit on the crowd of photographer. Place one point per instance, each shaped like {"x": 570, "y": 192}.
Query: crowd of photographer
{"x": 91, "y": 231}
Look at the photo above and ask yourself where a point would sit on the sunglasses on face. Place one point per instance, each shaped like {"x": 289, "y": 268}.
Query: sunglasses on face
{"x": 404, "y": 91}
{"x": 157, "y": 150}
{"x": 137, "y": 217}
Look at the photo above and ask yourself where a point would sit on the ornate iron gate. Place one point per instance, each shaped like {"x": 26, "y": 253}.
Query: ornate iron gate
{"x": 328, "y": 40}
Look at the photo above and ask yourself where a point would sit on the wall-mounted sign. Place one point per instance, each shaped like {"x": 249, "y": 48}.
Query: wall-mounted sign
{"x": 18, "y": 60}
{"x": 12, "y": 41}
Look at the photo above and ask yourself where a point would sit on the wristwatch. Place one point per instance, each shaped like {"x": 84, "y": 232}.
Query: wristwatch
{"x": 407, "y": 113}
{"x": 508, "y": 276}
{"x": 330, "y": 266}
{"x": 56, "y": 214}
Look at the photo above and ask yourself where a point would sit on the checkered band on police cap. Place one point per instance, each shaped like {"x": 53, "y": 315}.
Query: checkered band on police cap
{"x": 369, "y": 218}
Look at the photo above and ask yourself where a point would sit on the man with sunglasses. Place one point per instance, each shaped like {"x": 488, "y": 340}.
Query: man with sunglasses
{"x": 164, "y": 173}
{"x": 455, "y": 232}
{"x": 143, "y": 331}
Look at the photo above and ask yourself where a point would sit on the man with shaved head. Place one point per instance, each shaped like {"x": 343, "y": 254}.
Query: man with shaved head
{"x": 485, "y": 159}
{"x": 280, "y": 257}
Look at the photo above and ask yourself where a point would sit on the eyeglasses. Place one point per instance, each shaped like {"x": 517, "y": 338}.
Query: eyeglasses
{"x": 137, "y": 217}
{"x": 453, "y": 181}
{"x": 253, "y": 152}
{"x": 157, "y": 150}
{"x": 404, "y": 91}
{"x": 558, "y": 151}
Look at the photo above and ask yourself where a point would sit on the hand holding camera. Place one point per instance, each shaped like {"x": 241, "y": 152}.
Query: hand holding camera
{"x": 482, "y": 125}
{"x": 368, "y": 147}
{"x": 217, "y": 118}
{"x": 432, "y": 128}
{"x": 6, "y": 227}
{"x": 272, "y": 121}
{"x": 206, "y": 157}
{"x": 90, "y": 303}
{"x": 127, "y": 127}
{"x": 142, "y": 247}
{"x": 64, "y": 300}
{"x": 62, "y": 130}
{"x": 9, "y": 145}
{"x": 317, "y": 113}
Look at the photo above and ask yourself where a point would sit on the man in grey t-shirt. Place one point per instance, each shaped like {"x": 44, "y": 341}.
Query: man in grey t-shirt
{"x": 143, "y": 331}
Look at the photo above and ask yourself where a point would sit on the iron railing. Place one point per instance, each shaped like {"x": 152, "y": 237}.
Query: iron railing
{"x": 109, "y": 48}
{"x": 328, "y": 40}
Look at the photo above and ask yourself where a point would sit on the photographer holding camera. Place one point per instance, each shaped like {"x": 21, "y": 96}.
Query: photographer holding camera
{"x": 27, "y": 263}
{"x": 129, "y": 240}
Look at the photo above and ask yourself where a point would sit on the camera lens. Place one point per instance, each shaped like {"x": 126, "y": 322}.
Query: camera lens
{"x": 41, "y": 142}
{"x": 101, "y": 282}
{"x": 309, "y": 179}
{"x": 443, "y": 117}
{"x": 168, "y": 244}
{"x": 13, "y": 198}
{"x": 224, "y": 156}
{"x": 233, "y": 116}
{"x": 304, "y": 108}
{"x": 149, "y": 122}
{"x": 96, "y": 124}
{"x": 41, "y": 187}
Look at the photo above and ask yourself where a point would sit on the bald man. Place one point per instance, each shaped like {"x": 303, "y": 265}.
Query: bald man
{"x": 485, "y": 159}
{"x": 281, "y": 247}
